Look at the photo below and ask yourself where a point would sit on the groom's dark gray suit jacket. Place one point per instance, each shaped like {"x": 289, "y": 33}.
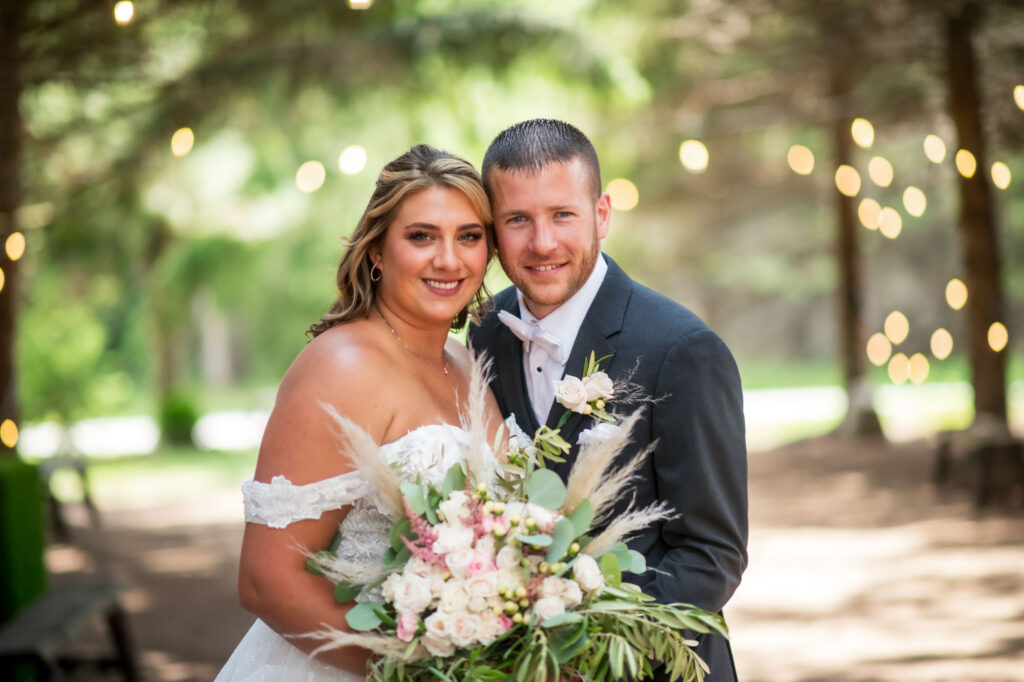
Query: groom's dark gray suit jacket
{"x": 699, "y": 465}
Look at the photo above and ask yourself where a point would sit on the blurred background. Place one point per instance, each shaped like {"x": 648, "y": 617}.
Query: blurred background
{"x": 833, "y": 185}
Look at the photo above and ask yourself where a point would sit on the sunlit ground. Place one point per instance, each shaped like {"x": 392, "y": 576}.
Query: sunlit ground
{"x": 859, "y": 568}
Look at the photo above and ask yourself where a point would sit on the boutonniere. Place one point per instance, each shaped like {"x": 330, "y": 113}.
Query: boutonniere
{"x": 588, "y": 395}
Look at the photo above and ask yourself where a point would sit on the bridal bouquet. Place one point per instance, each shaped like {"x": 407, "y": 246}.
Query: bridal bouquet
{"x": 502, "y": 574}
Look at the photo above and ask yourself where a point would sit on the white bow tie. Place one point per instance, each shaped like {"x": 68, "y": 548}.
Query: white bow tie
{"x": 532, "y": 334}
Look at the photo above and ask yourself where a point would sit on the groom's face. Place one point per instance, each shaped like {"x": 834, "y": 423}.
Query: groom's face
{"x": 549, "y": 228}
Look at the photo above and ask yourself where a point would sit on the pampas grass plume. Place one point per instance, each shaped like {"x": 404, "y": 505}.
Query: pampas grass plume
{"x": 365, "y": 455}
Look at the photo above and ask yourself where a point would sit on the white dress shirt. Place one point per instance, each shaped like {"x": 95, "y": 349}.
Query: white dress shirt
{"x": 543, "y": 367}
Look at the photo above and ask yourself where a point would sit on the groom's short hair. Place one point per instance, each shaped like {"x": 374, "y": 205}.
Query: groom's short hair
{"x": 532, "y": 145}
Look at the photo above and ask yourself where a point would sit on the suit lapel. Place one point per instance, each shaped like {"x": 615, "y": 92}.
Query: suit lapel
{"x": 603, "y": 321}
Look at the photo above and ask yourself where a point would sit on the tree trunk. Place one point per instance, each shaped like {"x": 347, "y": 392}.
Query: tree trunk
{"x": 12, "y": 14}
{"x": 976, "y": 222}
{"x": 860, "y": 419}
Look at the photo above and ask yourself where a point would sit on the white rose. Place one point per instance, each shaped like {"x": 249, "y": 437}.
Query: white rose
{"x": 483, "y": 584}
{"x": 571, "y": 393}
{"x": 548, "y": 607}
{"x": 388, "y": 586}
{"x": 599, "y": 433}
{"x": 508, "y": 558}
{"x": 485, "y": 545}
{"x": 454, "y": 508}
{"x": 572, "y": 595}
{"x": 587, "y": 573}
{"x": 598, "y": 385}
{"x": 459, "y": 560}
{"x": 452, "y": 537}
{"x": 465, "y": 627}
{"x": 490, "y": 628}
{"x": 411, "y": 593}
{"x": 512, "y": 577}
{"x": 453, "y": 598}
{"x": 476, "y": 603}
{"x": 438, "y": 625}
{"x": 550, "y": 587}
{"x": 437, "y": 584}
{"x": 438, "y": 646}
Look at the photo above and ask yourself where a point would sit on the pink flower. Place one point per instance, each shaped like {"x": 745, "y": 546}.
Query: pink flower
{"x": 407, "y": 624}
{"x": 481, "y": 564}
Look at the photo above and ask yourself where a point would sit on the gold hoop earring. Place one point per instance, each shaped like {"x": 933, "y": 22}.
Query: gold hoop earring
{"x": 376, "y": 269}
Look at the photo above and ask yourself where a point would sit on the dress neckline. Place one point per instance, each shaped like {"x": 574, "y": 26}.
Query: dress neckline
{"x": 424, "y": 427}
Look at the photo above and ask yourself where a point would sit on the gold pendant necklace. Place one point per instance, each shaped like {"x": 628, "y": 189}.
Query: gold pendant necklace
{"x": 444, "y": 359}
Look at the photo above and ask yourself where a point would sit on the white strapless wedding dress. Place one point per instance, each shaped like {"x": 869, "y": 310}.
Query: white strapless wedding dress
{"x": 428, "y": 451}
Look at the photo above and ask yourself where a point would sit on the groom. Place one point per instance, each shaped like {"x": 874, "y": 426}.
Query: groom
{"x": 569, "y": 300}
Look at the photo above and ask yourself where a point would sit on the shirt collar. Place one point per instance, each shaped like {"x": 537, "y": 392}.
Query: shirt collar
{"x": 564, "y": 321}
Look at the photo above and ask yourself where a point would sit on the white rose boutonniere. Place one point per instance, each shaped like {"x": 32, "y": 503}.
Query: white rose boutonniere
{"x": 588, "y": 395}
{"x": 571, "y": 393}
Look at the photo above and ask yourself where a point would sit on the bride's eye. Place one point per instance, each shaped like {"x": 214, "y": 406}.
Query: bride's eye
{"x": 471, "y": 237}
{"x": 419, "y": 236}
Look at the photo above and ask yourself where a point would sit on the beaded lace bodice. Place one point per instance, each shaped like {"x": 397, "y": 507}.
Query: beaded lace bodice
{"x": 426, "y": 452}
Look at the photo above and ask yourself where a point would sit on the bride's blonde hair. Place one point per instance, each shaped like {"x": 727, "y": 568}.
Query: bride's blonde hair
{"x": 420, "y": 168}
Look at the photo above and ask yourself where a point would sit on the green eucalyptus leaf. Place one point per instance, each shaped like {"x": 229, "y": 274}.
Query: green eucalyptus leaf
{"x": 398, "y": 558}
{"x": 454, "y": 480}
{"x": 611, "y": 569}
{"x": 401, "y": 529}
{"x": 562, "y": 619}
{"x": 563, "y": 535}
{"x": 345, "y": 591}
{"x": 545, "y": 488}
{"x": 539, "y": 540}
{"x": 415, "y": 496}
{"x": 364, "y": 617}
{"x": 582, "y": 516}
{"x": 638, "y": 563}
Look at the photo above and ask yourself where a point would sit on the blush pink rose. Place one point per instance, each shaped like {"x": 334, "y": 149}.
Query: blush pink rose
{"x": 407, "y": 624}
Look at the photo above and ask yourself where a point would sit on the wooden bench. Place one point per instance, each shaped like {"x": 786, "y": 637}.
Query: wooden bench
{"x": 38, "y": 637}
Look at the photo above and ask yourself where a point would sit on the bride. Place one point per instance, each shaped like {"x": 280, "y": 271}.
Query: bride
{"x": 382, "y": 358}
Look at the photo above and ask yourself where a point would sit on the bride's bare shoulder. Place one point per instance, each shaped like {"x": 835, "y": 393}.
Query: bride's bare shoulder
{"x": 351, "y": 351}
{"x": 343, "y": 367}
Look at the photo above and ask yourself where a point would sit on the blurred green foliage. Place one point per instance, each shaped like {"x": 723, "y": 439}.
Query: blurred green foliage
{"x": 149, "y": 275}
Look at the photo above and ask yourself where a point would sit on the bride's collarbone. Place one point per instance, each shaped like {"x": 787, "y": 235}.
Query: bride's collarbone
{"x": 417, "y": 400}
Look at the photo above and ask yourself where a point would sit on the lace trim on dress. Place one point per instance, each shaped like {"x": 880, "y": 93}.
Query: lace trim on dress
{"x": 281, "y": 502}
{"x": 425, "y": 452}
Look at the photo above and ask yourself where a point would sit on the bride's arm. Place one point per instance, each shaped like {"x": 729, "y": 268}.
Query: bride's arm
{"x": 300, "y": 444}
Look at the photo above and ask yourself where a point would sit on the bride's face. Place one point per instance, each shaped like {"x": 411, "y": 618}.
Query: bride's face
{"x": 433, "y": 257}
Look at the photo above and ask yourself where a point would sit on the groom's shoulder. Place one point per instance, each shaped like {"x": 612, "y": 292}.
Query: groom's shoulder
{"x": 671, "y": 318}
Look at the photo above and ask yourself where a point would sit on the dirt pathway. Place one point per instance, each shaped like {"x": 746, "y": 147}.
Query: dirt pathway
{"x": 858, "y": 572}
